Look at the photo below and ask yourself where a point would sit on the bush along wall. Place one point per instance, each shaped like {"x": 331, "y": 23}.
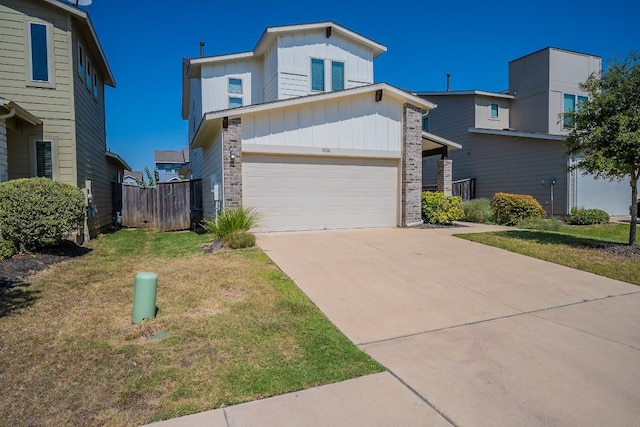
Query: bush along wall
{"x": 36, "y": 212}
{"x": 440, "y": 209}
{"x": 509, "y": 209}
{"x": 587, "y": 217}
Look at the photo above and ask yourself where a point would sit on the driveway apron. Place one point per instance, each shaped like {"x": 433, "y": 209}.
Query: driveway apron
{"x": 483, "y": 336}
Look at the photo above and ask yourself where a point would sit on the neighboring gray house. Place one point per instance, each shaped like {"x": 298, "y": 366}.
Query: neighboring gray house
{"x": 513, "y": 140}
{"x": 52, "y": 110}
{"x": 297, "y": 129}
{"x": 172, "y": 165}
{"x": 132, "y": 177}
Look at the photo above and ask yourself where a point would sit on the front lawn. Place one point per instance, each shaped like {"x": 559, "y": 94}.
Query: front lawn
{"x": 238, "y": 330}
{"x": 598, "y": 249}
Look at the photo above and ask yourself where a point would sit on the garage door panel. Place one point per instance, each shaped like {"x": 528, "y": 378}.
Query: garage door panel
{"x": 298, "y": 193}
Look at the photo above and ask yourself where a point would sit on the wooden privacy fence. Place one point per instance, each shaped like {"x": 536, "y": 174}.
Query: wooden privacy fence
{"x": 168, "y": 206}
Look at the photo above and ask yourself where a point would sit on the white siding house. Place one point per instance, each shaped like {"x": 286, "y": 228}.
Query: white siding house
{"x": 297, "y": 129}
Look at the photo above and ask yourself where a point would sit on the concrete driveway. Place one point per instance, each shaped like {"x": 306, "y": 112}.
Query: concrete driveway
{"x": 482, "y": 336}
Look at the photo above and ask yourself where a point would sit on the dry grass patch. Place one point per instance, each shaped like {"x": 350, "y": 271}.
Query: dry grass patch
{"x": 238, "y": 330}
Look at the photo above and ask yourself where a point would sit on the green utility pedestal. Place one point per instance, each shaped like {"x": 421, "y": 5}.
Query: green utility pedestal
{"x": 144, "y": 297}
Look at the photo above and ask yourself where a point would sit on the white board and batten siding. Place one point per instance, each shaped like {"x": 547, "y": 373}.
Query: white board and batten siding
{"x": 294, "y": 53}
{"x": 327, "y": 165}
{"x": 215, "y": 83}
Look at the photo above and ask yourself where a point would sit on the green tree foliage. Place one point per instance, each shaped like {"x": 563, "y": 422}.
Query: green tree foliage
{"x": 607, "y": 127}
{"x": 36, "y": 212}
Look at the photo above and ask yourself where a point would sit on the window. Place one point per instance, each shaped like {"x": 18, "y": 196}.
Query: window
{"x": 494, "y": 111}
{"x": 425, "y": 123}
{"x": 95, "y": 85}
{"x": 235, "y": 85}
{"x": 570, "y": 106}
{"x": 89, "y": 75}
{"x": 317, "y": 74}
{"x": 44, "y": 158}
{"x": 80, "y": 61}
{"x": 39, "y": 52}
{"x": 337, "y": 75}
{"x": 235, "y": 102}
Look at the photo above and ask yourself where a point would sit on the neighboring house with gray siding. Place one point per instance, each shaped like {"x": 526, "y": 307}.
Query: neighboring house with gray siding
{"x": 297, "y": 129}
{"x": 52, "y": 109}
{"x": 172, "y": 165}
{"x": 513, "y": 140}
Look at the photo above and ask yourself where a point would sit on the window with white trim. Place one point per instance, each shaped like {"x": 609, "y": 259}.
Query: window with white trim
{"x": 39, "y": 53}
{"x": 337, "y": 75}
{"x": 571, "y": 104}
{"x": 89, "y": 75}
{"x": 493, "y": 111}
{"x": 317, "y": 74}
{"x": 235, "y": 102}
{"x": 235, "y": 85}
{"x": 44, "y": 158}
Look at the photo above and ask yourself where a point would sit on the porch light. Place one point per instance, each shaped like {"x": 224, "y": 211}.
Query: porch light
{"x": 232, "y": 155}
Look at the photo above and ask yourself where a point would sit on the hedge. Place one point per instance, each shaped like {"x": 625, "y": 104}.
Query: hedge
{"x": 440, "y": 209}
{"x": 509, "y": 209}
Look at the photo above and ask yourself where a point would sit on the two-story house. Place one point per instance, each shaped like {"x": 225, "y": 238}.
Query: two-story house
{"x": 513, "y": 140}
{"x": 52, "y": 109}
{"x": 297, "y": 129}
{"x": 172, "y": 165}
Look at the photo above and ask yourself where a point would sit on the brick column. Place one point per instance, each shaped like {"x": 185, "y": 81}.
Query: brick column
{"x": 4, "y": 159}
{"x": 232, "y": 139}
{"x": 445, "y": 168}
{"x": 411, "y": 165}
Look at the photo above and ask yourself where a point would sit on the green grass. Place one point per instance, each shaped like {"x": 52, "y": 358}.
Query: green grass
{"x": 239, "y": 330}
{"x": 572, "y": 246}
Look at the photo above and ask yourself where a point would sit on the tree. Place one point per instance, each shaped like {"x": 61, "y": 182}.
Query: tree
{"x": 607, "y": 127}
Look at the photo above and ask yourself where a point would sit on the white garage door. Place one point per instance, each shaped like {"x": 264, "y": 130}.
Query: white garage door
{"x": 316, "y": 193}
{"x": 613, "y": 197}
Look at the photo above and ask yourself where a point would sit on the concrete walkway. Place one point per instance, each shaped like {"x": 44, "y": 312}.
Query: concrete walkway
{"x": 471, "y": 335}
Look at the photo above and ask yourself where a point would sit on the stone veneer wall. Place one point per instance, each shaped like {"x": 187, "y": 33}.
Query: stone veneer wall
{"x": 411, "y": 165}
{"x": 4, "y": 159}
{"x": 445, "y": 173}
{"x": 232, "y": 138}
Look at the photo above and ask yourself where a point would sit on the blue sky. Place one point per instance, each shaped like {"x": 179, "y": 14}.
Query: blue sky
{"x": 144, "y": 42}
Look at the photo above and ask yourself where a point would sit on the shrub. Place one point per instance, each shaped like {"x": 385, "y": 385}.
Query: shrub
{"x": 477, "y": 210}
{"x": 540, "y": 224}
{"x": 239, "y": 239}
{"x": 36, "y": 212}
{"x": 509, "y": 209}
{"x": 230, "y": 220}
{"x": 440, "y": 209}
{"x": 6, "y": 249}
{"x": 587, "y": 217}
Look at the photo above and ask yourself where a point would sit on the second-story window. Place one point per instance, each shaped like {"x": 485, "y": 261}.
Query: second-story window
{"x": 337, "y": 75}
{"x": 571, "y": 104}
{"x": 235, "y": 85}
{"x": 317, "y": 74}
{"x": 39, "y": 52}
{"x": 425, "y": 123}
{"x": 95, "y": 84}
{"x": 235, "y": 102}
{"x": 80, "y": 61}
{"x": 89, "y": 76}
{"x": 493, "y": 113}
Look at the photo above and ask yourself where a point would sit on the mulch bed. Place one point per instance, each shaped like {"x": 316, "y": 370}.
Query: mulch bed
{"x": 619, "y": 250}
{"x": 16, "y": 270}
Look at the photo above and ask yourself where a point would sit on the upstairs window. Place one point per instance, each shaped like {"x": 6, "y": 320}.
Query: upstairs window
{"x": 235, "y": 85}
{"x": 571, "y": 104}
{"x": 89, "y": 78}
{"x": 44, "y": 159}
{"x": 80, "y": 61}
{"x": 39, "y": 52}
{"x": 493, "y": 111}
{"x": 337, "y": 75}
{"x": 317, "y": 74}
{"x": 235, "y": 102}
{"x": 425, "y": 123}
{"x": 95, "y": 84}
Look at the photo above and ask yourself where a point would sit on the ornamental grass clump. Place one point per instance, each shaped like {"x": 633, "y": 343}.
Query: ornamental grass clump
{"x": 233, "y": 221}
{"x": 477, "y": 210}
{"x": 37, "y": 212}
